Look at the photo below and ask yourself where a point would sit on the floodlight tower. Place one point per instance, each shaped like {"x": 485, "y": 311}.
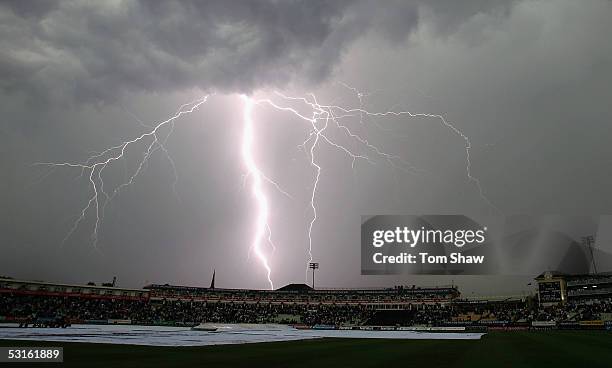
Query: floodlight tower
{"x": 588, "y": 242}
{"x": 313, "y": 266}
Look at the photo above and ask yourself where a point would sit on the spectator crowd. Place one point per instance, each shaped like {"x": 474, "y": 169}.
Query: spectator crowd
{"x": 18, "y": 306}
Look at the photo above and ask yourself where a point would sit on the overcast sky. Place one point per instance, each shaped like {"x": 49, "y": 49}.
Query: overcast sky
{"x": 529, "y": 82}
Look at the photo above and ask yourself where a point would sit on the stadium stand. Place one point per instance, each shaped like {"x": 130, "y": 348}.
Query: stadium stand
{"x": 48, "y": 304}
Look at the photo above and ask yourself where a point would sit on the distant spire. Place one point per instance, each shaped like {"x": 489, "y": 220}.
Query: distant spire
{"x": 212, "y": 282}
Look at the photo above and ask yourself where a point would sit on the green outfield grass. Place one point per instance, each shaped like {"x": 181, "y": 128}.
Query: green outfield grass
{"x": 512, "y": 349}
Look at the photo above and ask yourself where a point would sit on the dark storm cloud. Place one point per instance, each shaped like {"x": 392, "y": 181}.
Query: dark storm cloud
{"x": 98, "y": 50}
{"x": 31, "y": 8}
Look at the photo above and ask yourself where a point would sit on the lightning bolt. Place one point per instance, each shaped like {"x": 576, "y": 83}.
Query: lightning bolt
{"x": 322, "y": 120}
{"x": 97, "y": 163}
{"x": 323, "y": 115}
{"x": 261, "y": 222}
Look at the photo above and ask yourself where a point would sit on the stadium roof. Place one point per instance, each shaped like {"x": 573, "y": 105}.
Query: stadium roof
{"x": 83, "y": 286}
{"x": 295, "y": 287}
{"x": 548, "y": 274}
